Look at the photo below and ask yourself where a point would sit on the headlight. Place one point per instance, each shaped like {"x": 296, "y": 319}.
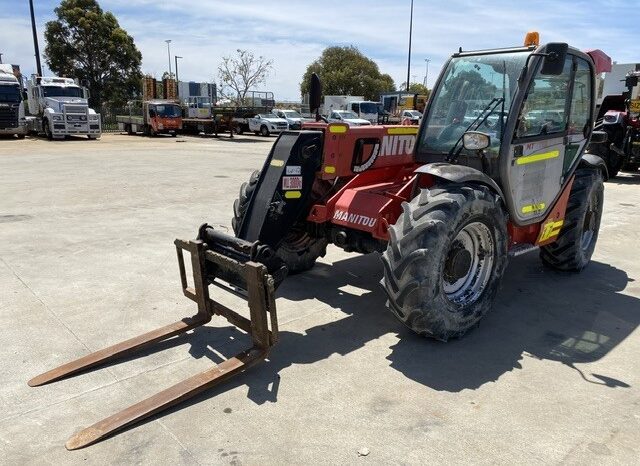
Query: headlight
{"x": 93, "y": 117}
{"x": 57, "y": 117}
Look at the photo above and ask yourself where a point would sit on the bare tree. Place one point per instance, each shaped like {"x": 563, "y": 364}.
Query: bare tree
{"x": 240, "y": 73}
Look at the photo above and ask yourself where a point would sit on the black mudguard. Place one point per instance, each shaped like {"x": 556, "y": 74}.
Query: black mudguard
{"x": 593, "y": 161}
{"x": 459, "y": 174}
{"x": 274, "y": 208}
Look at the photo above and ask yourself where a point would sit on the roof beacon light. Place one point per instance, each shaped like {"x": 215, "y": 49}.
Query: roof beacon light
{"x": 532, "y": 38}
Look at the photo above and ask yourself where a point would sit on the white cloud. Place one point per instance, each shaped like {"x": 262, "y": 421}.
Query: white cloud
{"x": 294, "y": 33}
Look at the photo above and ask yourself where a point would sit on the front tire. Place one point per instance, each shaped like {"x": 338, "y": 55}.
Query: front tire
{"x": 573, "y": 248}
{"x": 298, "y": 250}
{"x": 47, "y": 130}
{"x": 446, "y": 256}
{"x": 264, "y": 131}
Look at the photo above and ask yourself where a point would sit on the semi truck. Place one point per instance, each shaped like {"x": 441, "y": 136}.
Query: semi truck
{"x": 59, "y": 108}
{"x": 12, "y": 119}
{"x": 153, "y": 117}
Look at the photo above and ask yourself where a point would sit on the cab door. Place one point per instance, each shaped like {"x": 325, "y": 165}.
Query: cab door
{"x": 547, "y": 141}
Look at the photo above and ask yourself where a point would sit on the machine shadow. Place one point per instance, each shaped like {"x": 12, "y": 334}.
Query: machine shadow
{"x": 539, "y": 313}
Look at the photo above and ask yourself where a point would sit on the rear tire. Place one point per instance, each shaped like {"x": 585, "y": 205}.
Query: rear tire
{"x": 299, "y": 250}
{"x": 574, "y": 247}
{"x": 446, "y": 256}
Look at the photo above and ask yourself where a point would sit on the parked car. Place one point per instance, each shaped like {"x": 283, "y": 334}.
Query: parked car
{"x": 413, "y": 116}
{"x": 266, "y": 124}
{"x": 294, "y": 119}
{"x": 348, "y": 117}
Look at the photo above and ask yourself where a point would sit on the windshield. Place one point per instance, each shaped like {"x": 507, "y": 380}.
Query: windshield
{"x": 291, "y": 114}
{"x": 473, "y": 91}
{"x": 368, "y": 107}
{"x": 267, "y": 115}
{"x": 168, "y": 111}
{"x": 346, "y": 114}
{"x": 10, "y": 94}
{"x": 56, "y": 91}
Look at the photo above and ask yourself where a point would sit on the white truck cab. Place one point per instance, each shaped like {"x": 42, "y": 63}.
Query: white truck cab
{"x": 12, "y": 119}
{"x": 60, "y": 108}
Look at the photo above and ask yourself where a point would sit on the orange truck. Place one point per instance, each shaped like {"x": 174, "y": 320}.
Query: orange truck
{"x": 152, "y": 118}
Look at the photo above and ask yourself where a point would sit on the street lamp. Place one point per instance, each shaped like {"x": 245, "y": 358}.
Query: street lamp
{"x": 168, "y": 41}
{"x": 426, "y": 71}
{"x": 176, "y": 59}
{"x": 410, "y": 34}
{"x": 177, "y": 82}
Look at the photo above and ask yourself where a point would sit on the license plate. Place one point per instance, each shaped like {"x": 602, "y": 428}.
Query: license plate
{"x": 291, "y": 182}
{"x": 634, "y": 106}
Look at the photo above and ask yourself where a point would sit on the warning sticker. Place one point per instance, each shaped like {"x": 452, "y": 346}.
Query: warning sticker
{"x": 291, "y": 182}
{"x": 294, "y": 170}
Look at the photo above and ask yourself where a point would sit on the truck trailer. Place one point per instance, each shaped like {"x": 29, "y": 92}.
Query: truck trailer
{"x": 12, "y": 119}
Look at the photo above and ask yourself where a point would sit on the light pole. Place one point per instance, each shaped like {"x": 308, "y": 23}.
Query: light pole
{"x": 35, "y": 39}
{"x": 409, "y": 57}
{"x": 176, "y": 58}
{"x": 168, "y": 41}
{"x": 177, "y": 82}
{"x": 426, "y": 71}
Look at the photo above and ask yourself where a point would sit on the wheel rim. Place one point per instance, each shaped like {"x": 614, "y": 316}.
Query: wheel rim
{"x": 589, "y": 224}
{"x": 264, "y": 131}
{"x": 468, "y": 264}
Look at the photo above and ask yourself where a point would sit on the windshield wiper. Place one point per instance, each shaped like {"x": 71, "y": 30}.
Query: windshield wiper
{"x": 491, "y": 106}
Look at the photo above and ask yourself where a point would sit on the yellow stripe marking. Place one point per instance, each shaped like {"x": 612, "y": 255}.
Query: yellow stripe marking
{"x": 330, "y": 169}
{"x": 338, "y": 129}
{"x": 293, "y": 194}
{"x": 537, "y": 157}
{"x": 531, "y": 208}
{"x": 277, "y": 163}
{"x": 403, "y": 130}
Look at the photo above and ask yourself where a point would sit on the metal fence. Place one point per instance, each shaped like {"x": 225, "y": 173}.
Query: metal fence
{"x": 108, "y": 115}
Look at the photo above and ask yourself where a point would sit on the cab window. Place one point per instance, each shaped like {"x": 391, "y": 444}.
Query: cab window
{"x": 581, "y": 99}
{"x": 543, "y": 111}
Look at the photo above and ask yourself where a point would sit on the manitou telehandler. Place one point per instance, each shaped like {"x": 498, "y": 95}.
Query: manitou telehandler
{"x": 496, "y": 169}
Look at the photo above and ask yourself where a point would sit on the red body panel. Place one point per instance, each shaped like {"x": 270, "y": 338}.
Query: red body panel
{"x": 379, "y": 165}
{"x": 161, "y": 124}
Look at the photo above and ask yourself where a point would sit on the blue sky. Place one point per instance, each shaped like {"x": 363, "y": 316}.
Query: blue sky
{"x": 294, "y": 33}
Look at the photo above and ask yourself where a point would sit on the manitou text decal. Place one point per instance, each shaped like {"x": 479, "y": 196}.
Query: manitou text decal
{"x": 390, "y": 146}
{"x": 355, "y": 219}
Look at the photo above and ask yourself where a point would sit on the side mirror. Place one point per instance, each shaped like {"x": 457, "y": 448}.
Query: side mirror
{"x": 315, "y": 93}
{"x": 599, "y": 137}
{"x": 87, "y": 94}
{"x": 475, "y": 140}
{"x": 25, "y": 95}
{"x": 553, "y": 62}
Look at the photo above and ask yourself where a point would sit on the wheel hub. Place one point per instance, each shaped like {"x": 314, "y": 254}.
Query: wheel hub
{"x": 457, "y": 264}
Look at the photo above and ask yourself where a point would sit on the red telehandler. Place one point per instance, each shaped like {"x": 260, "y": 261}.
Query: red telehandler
{"x": 496, "y": 169}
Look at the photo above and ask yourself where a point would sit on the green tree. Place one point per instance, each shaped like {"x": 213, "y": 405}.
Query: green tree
{"x": 87, "y": 43}
{"x": 346, "y": 71}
